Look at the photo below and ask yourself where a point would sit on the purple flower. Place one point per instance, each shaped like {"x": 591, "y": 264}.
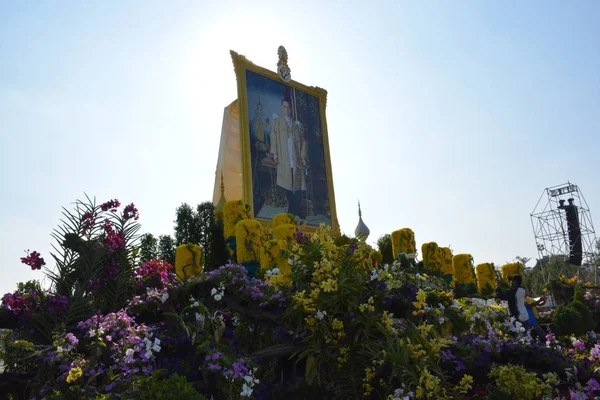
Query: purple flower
{"x": 214, "y": 367}
{"x": 352, "y": 248}
{"x": 58, "y": 303}
{"x": 302, "y": 238}
{"x": 73, "y": 341}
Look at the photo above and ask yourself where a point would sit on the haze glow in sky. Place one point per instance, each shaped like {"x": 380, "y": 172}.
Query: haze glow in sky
{"x": 448, "y": 118}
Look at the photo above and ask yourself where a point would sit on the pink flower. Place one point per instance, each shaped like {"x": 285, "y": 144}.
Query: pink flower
{"x": 578, "y": 344}
{"x": 33, "y": 260}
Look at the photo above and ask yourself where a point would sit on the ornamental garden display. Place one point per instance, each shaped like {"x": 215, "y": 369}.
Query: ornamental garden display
{"x": 300, "y": 311}
{"x": 319, "y": 318}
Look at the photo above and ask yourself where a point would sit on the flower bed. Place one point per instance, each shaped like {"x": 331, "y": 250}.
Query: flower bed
{"x": 338, "y": 326}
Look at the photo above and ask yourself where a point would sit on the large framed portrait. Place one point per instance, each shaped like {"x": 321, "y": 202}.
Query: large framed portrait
{"x": 285, "y": 149}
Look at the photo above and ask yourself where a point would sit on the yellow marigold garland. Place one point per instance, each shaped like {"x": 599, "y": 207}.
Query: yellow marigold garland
{"x": 463, "y": 269}
{"x": 248, "y": 237}
{"x": 445, "y": 257}
{"x": 274, "y": 254}
{"x": 486, "y": 275}
{"x": 233, "y": 212}
{"x": 403, "y": 241}
{"x": 511, "y": 269}
{"x": 188, "y": 261}
{"x": 285, "y": 232}
{"x": 283, "y": 218}
{"x": 431, "y": 255}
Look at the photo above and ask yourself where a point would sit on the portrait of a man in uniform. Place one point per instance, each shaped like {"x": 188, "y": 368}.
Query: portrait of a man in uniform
{"x": 287, "y": 152}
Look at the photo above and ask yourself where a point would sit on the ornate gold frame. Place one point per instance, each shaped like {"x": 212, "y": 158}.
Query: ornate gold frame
{"x": 241, "y": 64}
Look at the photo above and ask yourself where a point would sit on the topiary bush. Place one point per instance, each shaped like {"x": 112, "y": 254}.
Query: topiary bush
{"x": 567, "y": 320}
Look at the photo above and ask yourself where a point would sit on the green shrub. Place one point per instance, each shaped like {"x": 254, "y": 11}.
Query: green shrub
{"x": 514, "y": 382}
{"x": 585, "y": 313}
{"x": 567, "y": 320}
{"x": 579, "y": 294}
{"x": 174, "y": 387}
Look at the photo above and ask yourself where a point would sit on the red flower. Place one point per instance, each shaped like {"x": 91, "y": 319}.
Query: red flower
{"x": 114, "y": 241}
{"x": 87, "y": 222}
{"x": 131, "y": 212}
{"x": 33, "y": 260}
{"x": 111, "y": 205}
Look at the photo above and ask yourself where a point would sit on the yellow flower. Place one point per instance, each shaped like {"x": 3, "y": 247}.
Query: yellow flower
{"x": 424, "y": 329}
{"x": 248, "y": 237}
{"x": 233, "y": 212}
{"x": 343, "y": 358}
{"x": 511, "y": 269}
{"x": 429, "y": 385}
{"x": 285, "y": 232}
{"x": 403, "y": 241}
{"x": 329, "y": 286}
{"x": 188, "y": 261}
{"x": 431, "y": 256}
{"x": 281, "y": 219}
{"x": 74, "y": 374}
{"x": 463, "y": 269}
{"x": 445, "y": 258}
{"x": 465, "y": 384}
{"x": 368, "y": 306}
{"x": 280, "y": 280}
{"x": 486, "y": 276}
{"x": 388, "y": 322}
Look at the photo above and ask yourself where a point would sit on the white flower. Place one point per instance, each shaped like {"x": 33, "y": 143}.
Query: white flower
{"x": 129, "y": 356}
{"x": 218, "y": 294}
{"x": 164, "y": 297}
{"x": 276, "y": 271}
{"x": 93, "y": 332}
{"x": 373, "y": 274}
{"x": 156, "y": 345}
{"x": 59, "y": 349}
{"x": 246, "y": 390}
{"x": 320, "y": 314}
{"x": 441, "y": 306}
{"x": 195, "y": 303}
{"x": 200, "y": 318}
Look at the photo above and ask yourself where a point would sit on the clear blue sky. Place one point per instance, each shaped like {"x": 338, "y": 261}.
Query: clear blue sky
{"x": 449, "y": 118}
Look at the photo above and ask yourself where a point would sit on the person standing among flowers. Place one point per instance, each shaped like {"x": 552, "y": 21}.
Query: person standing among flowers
{"x": 515, "y": 297}
{"x": 536, "y": 331}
